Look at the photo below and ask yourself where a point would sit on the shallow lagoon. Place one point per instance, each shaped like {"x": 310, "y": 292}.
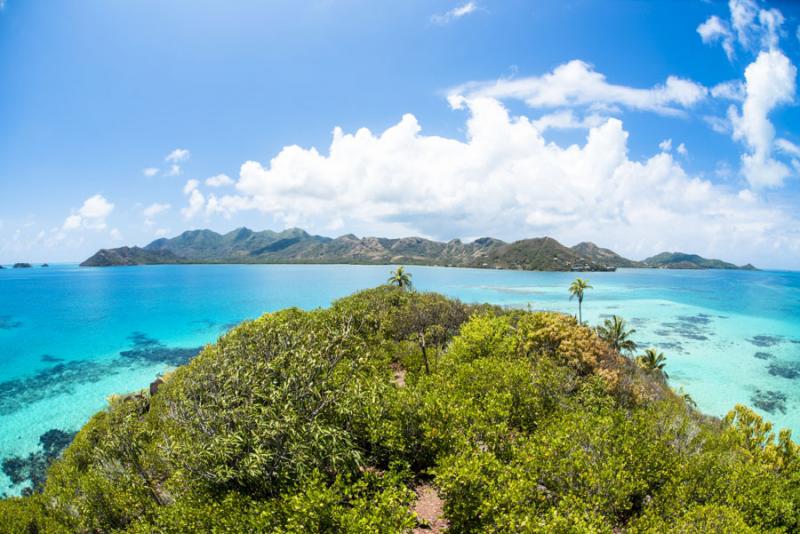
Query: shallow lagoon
{"x": 71, "y": 336}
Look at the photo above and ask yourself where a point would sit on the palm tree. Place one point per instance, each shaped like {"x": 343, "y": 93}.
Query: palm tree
{"x": 615, "y": 332}
{"x": 687, "y": 398}
{"x": 400, "y": 278}
{"x": 576, "y": 291}
{"x": 653, "y": 361}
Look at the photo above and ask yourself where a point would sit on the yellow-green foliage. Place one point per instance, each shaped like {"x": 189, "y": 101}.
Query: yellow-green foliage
{"x": 525, "y": 422}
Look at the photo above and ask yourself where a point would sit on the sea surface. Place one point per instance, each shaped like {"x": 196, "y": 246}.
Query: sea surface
{"x": 70, "y": 336}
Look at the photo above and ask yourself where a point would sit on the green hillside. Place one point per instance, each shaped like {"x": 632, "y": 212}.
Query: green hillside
{"x": 680, "y": 260}
{"x": 335, "y": 420}
{"x": 604, "y": 255}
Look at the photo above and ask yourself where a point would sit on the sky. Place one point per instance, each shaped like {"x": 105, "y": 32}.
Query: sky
{"x": 641, "y": 126}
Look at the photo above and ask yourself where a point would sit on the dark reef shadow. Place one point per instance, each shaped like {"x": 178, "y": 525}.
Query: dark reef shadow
{"x": 8, "y": 323}
{"x": 769, "y": 401}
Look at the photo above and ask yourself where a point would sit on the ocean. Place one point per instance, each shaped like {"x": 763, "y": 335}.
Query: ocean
{"x": 71, "y": 336}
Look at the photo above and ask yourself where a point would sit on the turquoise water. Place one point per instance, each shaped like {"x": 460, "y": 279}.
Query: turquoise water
{"x": 71, "y": 336}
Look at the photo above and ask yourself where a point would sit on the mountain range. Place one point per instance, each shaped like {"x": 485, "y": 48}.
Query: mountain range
{"x": 298, "y": 246}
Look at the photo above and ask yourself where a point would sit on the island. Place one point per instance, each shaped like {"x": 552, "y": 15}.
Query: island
{"x": 680, "y": 260}
{"x": 298, "y": 246}
{"x": 22, "y": 266}
{"x": 393, "y": 410}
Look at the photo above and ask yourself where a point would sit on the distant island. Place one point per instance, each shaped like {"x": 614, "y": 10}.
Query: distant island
{"x": 298, "y": 246}
{"x": 22, "y": 266}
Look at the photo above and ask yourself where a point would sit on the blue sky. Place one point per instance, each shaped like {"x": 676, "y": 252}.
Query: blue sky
{"x": 631, "y": 124}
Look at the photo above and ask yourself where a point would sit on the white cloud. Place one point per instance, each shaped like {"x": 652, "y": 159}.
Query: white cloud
{"x": 682, "y": 150}
{"x": 174, "y": 170}
{"x": 455, "y": 13}
{"x": 730, "y": 90}
{"x": 219, "y": 180}
{"x": 196, "y": 204}
{"x": 743, "y": 15}
{"x": 786, "y": 146}
{"x": 771, "y": 21}
{"x": 197, "y": 200}
{"x": 752, "y": 27}
{"x": 770, "y": 82}
{"x": 505, "y": 180}
{"x": 665, "y": 145}
{"x": 576, "y": 83}
{"x": 178, "y": 155}
{"x": 153, "y": 210}
{"x": 96, "y": 207}
{"x": 719, "y": 124}
{"x": 115, "y": 234}
{"x": 92, "y": 214}
{"x": 567, "y": 120}
{"x": 72, "y": 222}
{"x": 190, "y": 186}
{"x": 150, "y": 171}
{"x": 713, "y": 30}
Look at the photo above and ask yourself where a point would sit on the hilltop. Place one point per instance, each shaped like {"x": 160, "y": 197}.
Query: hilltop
{"x": 363, "y": 416}
{"x": 298, "y": 246}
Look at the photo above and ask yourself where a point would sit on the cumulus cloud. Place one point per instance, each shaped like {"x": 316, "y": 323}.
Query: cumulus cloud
{"x": 682, "y": 150}
{"x": 150, "y": 171}
{"x": 197, "y": 200}
{"x": 505, "y": 180}
{"x": 578, "y": 84}
{"x": 769, "y": 82}
{"x": 455, "y": 13}
{"x": 92, "y": 214}
{"x": 220, "y": 180}
{"x": 665, "y": 145}
{"x": 178, "y": 155}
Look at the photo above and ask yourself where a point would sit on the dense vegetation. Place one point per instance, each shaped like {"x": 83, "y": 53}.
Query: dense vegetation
{"x": 324, "y": 421}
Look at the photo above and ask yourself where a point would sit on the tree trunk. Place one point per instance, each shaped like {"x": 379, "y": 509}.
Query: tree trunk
{"x": 424, "y": 354}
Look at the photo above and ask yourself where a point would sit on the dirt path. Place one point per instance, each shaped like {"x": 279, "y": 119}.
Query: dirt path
{"x": 399, "y": 375}
{"x": 430, "y": 511}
